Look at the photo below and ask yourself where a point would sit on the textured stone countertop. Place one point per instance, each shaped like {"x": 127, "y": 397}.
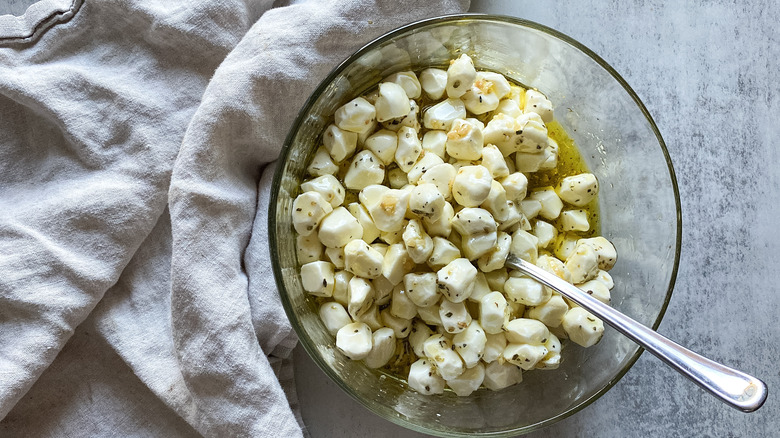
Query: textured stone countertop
{"x": 708, "y": 73}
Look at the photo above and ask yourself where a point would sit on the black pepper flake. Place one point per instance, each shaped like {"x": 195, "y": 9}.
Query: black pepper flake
{"x": 427, "y": 387}
{"x": 324, "y": 283}
{"x": 448, "y": 314}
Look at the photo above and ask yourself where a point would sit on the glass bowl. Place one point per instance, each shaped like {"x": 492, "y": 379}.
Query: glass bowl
{"x": 639, "y": 208}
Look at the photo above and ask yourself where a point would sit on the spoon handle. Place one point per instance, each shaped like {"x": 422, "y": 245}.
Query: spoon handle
{"x": 734, "y": 387}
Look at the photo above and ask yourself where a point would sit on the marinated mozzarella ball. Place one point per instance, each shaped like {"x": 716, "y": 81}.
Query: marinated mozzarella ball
{"x": 579, "y": 190}
{"x": 392, "y": 102}
{"x": 441, "y": 115}
{"x": 424, "y": 378}
{"x": 354, "y": 340}
{"x": 408, "y": 81}
{"x": 339, "y": 143}
{"x": 355, "y": 115}
{"x": 366, "y": 169}
{"x": 464, "y": 140}
{"x": 408, "y": 213}
{"x": 460, "y": 76}
{"x": 471, "y": 185}
{"x": 433, "y": 82}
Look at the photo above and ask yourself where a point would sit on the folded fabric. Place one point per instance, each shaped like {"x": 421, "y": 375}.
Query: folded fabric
{"x": 105, "y": 123}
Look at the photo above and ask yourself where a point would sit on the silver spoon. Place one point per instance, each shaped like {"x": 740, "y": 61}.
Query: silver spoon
{"x": 734, "y": 387}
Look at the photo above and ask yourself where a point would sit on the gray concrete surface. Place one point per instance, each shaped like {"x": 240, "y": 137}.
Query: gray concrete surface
{"x": 708, "y": 74}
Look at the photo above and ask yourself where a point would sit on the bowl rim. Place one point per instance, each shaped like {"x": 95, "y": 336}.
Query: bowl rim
{"x": 284, "y": 156}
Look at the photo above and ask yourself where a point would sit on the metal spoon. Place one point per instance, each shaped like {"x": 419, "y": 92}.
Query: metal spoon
{"x": 735, "y": 388}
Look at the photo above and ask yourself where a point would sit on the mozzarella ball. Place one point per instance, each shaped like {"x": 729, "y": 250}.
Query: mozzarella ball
{"x": 493, "y": 312}
{"x": 536, "y": 102}
{"x": 392, "y": 102}
{"x": 339, "y": 228}
{"x": 433, "y": 82}
{"x": 469, "y": 381}
{"x": 470, "y": 343}
{"x": 464, "y": 140}
{"x": 334, "y": 316}
{"x": 322, "y": 163}
{"x": 308, "y": 210}
{"x": 427, "y": 201}
{"x": 421, "y": 288}
{"x": 454, "y": 316}
{"x": 439, "y": 350}
{"x": 339, "y": 143}
{"x": 308, "y": 248}
{"x": 383, "y": 144}
{"x": 317, "y": 278}
{"x": 551, "y": 312}
{"x": 500, "y": 374}
{"x": 582, "y": 327}
{"x": 574, "y": 220}
{"x": 396, "y": 263}
{"x": 471, "y": 185}
{"x": 460, "y": 76}
{"x": 605, "y": 251}
{"x": 418, "y": 243}
{"x": 456, "y": 279}
{"x": 435, "y": 142}
{"x": 382, "y": 349}
{"x": 362, "y": 260}
{"x": 441, "y": 115}
{"x": 579, "y": 190}
{"x": 355, "y": 115}
{"x": 424, "y": 378}
{"x": 354, "y": 340}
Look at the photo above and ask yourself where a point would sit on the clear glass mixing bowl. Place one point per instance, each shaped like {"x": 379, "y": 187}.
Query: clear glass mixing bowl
{"x": 639, "y": 207}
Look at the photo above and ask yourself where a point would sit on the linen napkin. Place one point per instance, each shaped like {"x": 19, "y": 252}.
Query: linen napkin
{"x": 134, "y": 188}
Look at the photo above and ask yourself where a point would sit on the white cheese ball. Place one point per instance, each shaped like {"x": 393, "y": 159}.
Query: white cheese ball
{"x": 493, "y": 312}
{"x": 500, "y": 374}
{"x": 387, "y": 207}
{"x": 322, "y": 163}
{"x": 605, "y": 251}
{"x": 383, "y": 144}
{"x": 461, "y": 75}
{"x": 396, "y": 263}
{"x": 597, "y": 290}
{"x": 473, "y": 221}
{"x": 551, "y": 204}
{"x": 545, "y": 232}
{"x": 361, "y": 297}
{"x": 470, "y": 343}
{"x": 454, "y": 316}
{"x": 456, "y": 279}
{"x": 471, "y": 185}
{"x": 335, "y": 256}
{"x": 442, "y": 176}
{"x": 441, "y": 115}
{"x": 435, "y": 142}
{"x": 526, "y": 291}
{"x": 427, "y": 201}
{"x": 434, "y": 82}
{"x": 382, "y": 349}
{"x": 339, "y": 143}
{"x": 574, "y": 220}
{"x": 536, "y": 102}
{"x": 533, "y": 133}
{"x": 334, "y": 316}
{"x": 583, "y": 263}
{"x": 354, "y": 340}
{"x": 426, "y": 161}
{"x": 464, "y": 140}
{"x": 362, "y": 260}
{"x": 579, "y": 190}
{"x": 424, "y": 378}
{"x": 370, "y": 231}
{"x": 550, "y": 313}
{"x": 525, "y": 245}
{"x": 441, "y": 227}
{"x": 468, "y": 382}
{"x": 525, "y": 356}
{"x": 411, "y": 119}
{"x": 401, "y": 305}
{"x": 481, "y": 288}
{"x": 356, "y": 115}
{"x": 493, "y": 159}
{"x": 308, "y": 210}
{"x": 421, "y": 288}
{"x": 418, "y": 243}
{"x": 439, "y": 350}
{"x": 443, "y": 253}
{"x": 430, "y": 315}
{"x": 308, "y": 248}
{"x": 341, "y": 287}
{"x": 339, "y": 228}
{"x": 383, "y": 290}
{"x": 317, "y": 278}
{"x": 408, "y": 150}
{"x": 495, "y": 343}
{"x": 328, "y": 186}
{"x": 408, "y": 81}
{"x": 508, "y": 107}
{"x": 481, "y": 97}
{"x": 526, "y": 331}
{"x": 516, "y": 186}
{"x": 401, "y": 326}
{"x": 495, "y": 258}
{"x": 420, "y": 333}
{"x": 366, "y": 169}
{"x": 392, "y": 102}
{"x": 582, "y": 327}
